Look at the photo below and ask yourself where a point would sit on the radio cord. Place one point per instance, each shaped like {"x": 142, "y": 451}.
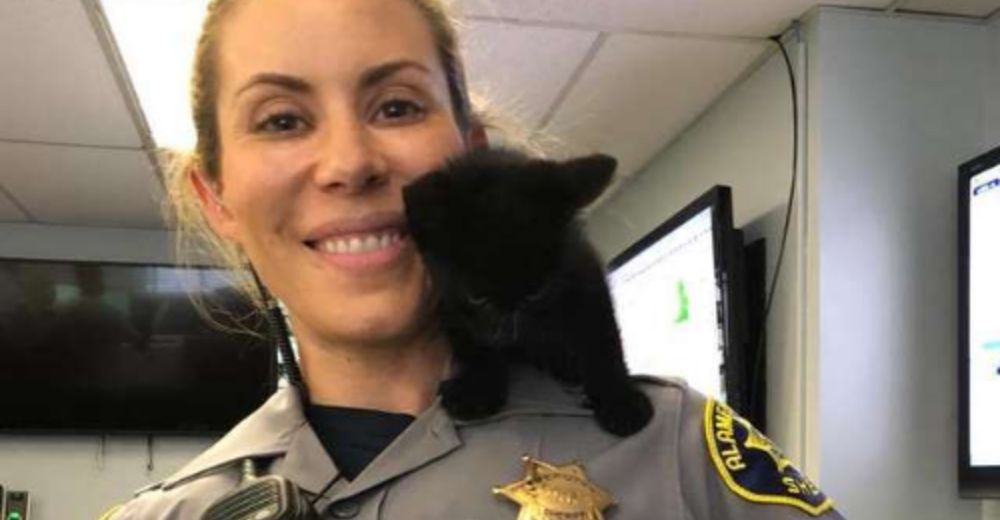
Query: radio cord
{"x": 279, "y": 329}
{"x": 276, "y": 322}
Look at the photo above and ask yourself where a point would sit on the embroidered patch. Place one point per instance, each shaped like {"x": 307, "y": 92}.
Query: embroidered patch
{"x": 752, "y": 467}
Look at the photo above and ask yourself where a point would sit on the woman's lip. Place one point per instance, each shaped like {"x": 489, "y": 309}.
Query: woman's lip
{"x": 370, "y": 261}
{"x": 371, "y": 223}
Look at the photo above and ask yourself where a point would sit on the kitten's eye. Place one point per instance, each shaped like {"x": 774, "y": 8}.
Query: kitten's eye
{"x": 538, "y": 295}
{"x": 478, "y": 301}
{"x": 398, "y": 111}
{"x": 281, "y": 123}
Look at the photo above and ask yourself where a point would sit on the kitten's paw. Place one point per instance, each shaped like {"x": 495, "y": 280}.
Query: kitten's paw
{"x": 625, "y": 413}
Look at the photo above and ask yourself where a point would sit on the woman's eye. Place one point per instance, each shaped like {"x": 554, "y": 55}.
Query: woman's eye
{"x": 282, "y": 123}
{"x": 395, "y": 110}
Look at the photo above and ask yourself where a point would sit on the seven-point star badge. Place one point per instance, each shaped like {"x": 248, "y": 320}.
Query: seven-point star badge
{"x": 549, "y": 492}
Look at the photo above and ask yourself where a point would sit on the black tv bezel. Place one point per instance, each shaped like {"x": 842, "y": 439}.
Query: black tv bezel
{"x": 727, "y": 247}
{"x": 982, "y": 481}
{"x": 268, "y": 388}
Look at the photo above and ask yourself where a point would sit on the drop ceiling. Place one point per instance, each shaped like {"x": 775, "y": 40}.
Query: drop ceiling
{"x": 622, "y": 76}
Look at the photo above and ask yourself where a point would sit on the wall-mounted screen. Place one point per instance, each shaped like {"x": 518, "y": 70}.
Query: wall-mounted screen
{"x": 99, "y": 347}
{"x": 979, "y": 345}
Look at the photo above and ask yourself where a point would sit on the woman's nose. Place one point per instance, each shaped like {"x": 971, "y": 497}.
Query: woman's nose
{"x": 352, "y": 162}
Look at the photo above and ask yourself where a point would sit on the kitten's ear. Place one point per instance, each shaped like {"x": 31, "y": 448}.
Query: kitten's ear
{"x": 588, "y": 177}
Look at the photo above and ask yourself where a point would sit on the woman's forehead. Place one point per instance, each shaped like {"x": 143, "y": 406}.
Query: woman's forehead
{"x": 321, "y": 39}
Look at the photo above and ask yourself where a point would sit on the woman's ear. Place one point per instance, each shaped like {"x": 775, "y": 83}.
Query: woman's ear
{"x": 476, "y": 136}
{"x": 215, "y": 211}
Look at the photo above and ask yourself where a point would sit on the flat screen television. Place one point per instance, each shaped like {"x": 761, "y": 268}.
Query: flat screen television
{"x": 679, "y": 300}
{"x": 120, "y": 348}
{"x": 979, "y": 326}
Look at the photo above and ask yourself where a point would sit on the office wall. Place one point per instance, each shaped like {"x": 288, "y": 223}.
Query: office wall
{"x": 897, "y": 102}
{"x": 992, "y": 127}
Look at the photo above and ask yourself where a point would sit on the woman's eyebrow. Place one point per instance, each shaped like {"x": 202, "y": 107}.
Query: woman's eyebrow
{"x": 379, "y": 73}
{"x": 370, "y": 78}
{"x": 272, "y": 78}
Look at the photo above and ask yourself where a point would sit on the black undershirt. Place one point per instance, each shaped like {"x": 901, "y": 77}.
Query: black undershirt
{"x": 353, "y": 437}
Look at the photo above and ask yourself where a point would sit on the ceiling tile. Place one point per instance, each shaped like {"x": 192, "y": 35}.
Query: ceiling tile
{"x": 82, "y": 186}
{"x": 523, "y": 69}
{"x": 57, "y": 84}
{"x": 9, "y": 212}
{"x": 641, "y": 91}
{"x": 759, "y": 18}
{"x": 978, "y": 8}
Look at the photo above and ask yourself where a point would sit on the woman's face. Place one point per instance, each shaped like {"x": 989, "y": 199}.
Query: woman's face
{"x": 327, "y": 108}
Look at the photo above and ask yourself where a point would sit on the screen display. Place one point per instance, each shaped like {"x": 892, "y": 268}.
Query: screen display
{"x": 86, "y": 346}
{"x": 984, "y": 318}
{"x": 667, "y": 306}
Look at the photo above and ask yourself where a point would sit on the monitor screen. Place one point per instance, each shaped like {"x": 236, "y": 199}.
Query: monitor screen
{"x": 675, "y": 299}
{"x": 96, "y": 347}
{"x": 984, "y": 318}
{"x": 979, "y": 326}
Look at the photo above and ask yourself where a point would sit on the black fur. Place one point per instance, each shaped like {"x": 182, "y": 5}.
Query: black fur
{"x": 518, "y": 281}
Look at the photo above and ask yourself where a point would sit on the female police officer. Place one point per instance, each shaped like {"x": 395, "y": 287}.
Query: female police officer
{"x": 312, "y": 115}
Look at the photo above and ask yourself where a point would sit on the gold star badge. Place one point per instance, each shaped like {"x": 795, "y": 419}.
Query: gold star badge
{"x": 548, "y": 492}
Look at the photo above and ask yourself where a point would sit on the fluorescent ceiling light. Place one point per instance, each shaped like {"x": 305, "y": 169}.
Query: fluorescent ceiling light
{"x": 156, "y": 39}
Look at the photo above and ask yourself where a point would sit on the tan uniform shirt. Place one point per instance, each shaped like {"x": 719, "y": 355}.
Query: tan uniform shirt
{"x": 442, "y": 468}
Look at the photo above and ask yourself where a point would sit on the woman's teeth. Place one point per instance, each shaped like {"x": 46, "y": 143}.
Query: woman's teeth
{"x": 360, "y": 244}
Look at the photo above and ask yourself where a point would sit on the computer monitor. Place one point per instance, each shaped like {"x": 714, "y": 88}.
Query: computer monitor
{"x": 678, "y": 296}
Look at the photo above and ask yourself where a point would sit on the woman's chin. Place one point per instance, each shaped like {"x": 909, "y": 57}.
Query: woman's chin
{"x": 386, "y": 326}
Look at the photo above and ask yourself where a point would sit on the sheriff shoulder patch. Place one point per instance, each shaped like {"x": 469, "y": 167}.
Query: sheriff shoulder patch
{"x": 752, "y": 467}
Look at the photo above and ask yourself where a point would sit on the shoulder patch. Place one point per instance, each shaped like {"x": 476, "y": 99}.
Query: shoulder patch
{"x": 752, "y": 467}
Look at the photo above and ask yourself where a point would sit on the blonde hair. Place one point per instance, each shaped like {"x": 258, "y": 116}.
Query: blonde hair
{"x": 196, "y": 242}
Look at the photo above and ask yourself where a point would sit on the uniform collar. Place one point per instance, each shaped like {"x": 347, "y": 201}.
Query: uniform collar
{"x": 269, "y": 431}
{"x": 533, "y": 393}
{"x": 279, "y": 427}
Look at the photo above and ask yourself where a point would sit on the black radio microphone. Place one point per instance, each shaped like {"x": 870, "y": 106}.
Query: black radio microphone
{"x": 271, "y": 497}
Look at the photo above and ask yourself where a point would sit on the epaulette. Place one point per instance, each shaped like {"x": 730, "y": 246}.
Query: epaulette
{"x": 660, "y": 381}
{"x": 145, "y": 489}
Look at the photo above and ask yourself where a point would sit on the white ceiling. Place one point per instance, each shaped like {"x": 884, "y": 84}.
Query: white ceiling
{"x": 747, "y": 18}
{"x": 621, "y": 76}
{"x": 57, "y": 85}
{"x": 543, "y": 58}
{"x": 72, "y": 184}
{"x": 976, "y": 8}
{"x": 9, "y": 212}
{"x": 628, "y": 101}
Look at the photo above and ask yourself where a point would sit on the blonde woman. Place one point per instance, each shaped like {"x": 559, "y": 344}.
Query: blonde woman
{"x": 312, "y": 115}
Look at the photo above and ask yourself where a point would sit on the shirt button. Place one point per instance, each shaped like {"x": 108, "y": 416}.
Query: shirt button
{"x": 345, "y": 509}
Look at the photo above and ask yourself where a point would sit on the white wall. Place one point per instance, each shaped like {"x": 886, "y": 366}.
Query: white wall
{"x": 896, "y": 104}
{"x": 992, "y": 130}
{"x": 744, "y": 141}
{"x": 85, "y": 243}
{"x": 864, "y": 376}
{"x": 78, "y": 477}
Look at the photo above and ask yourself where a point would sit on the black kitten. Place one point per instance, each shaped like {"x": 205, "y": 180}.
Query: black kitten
{"x": 518, "y": 281}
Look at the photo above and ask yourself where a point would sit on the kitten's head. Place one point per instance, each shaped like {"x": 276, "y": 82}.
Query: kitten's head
{"x": 492, "y": 224}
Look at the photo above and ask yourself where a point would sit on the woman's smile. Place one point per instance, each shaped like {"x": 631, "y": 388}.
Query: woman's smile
{"x": 369, "y": 244}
